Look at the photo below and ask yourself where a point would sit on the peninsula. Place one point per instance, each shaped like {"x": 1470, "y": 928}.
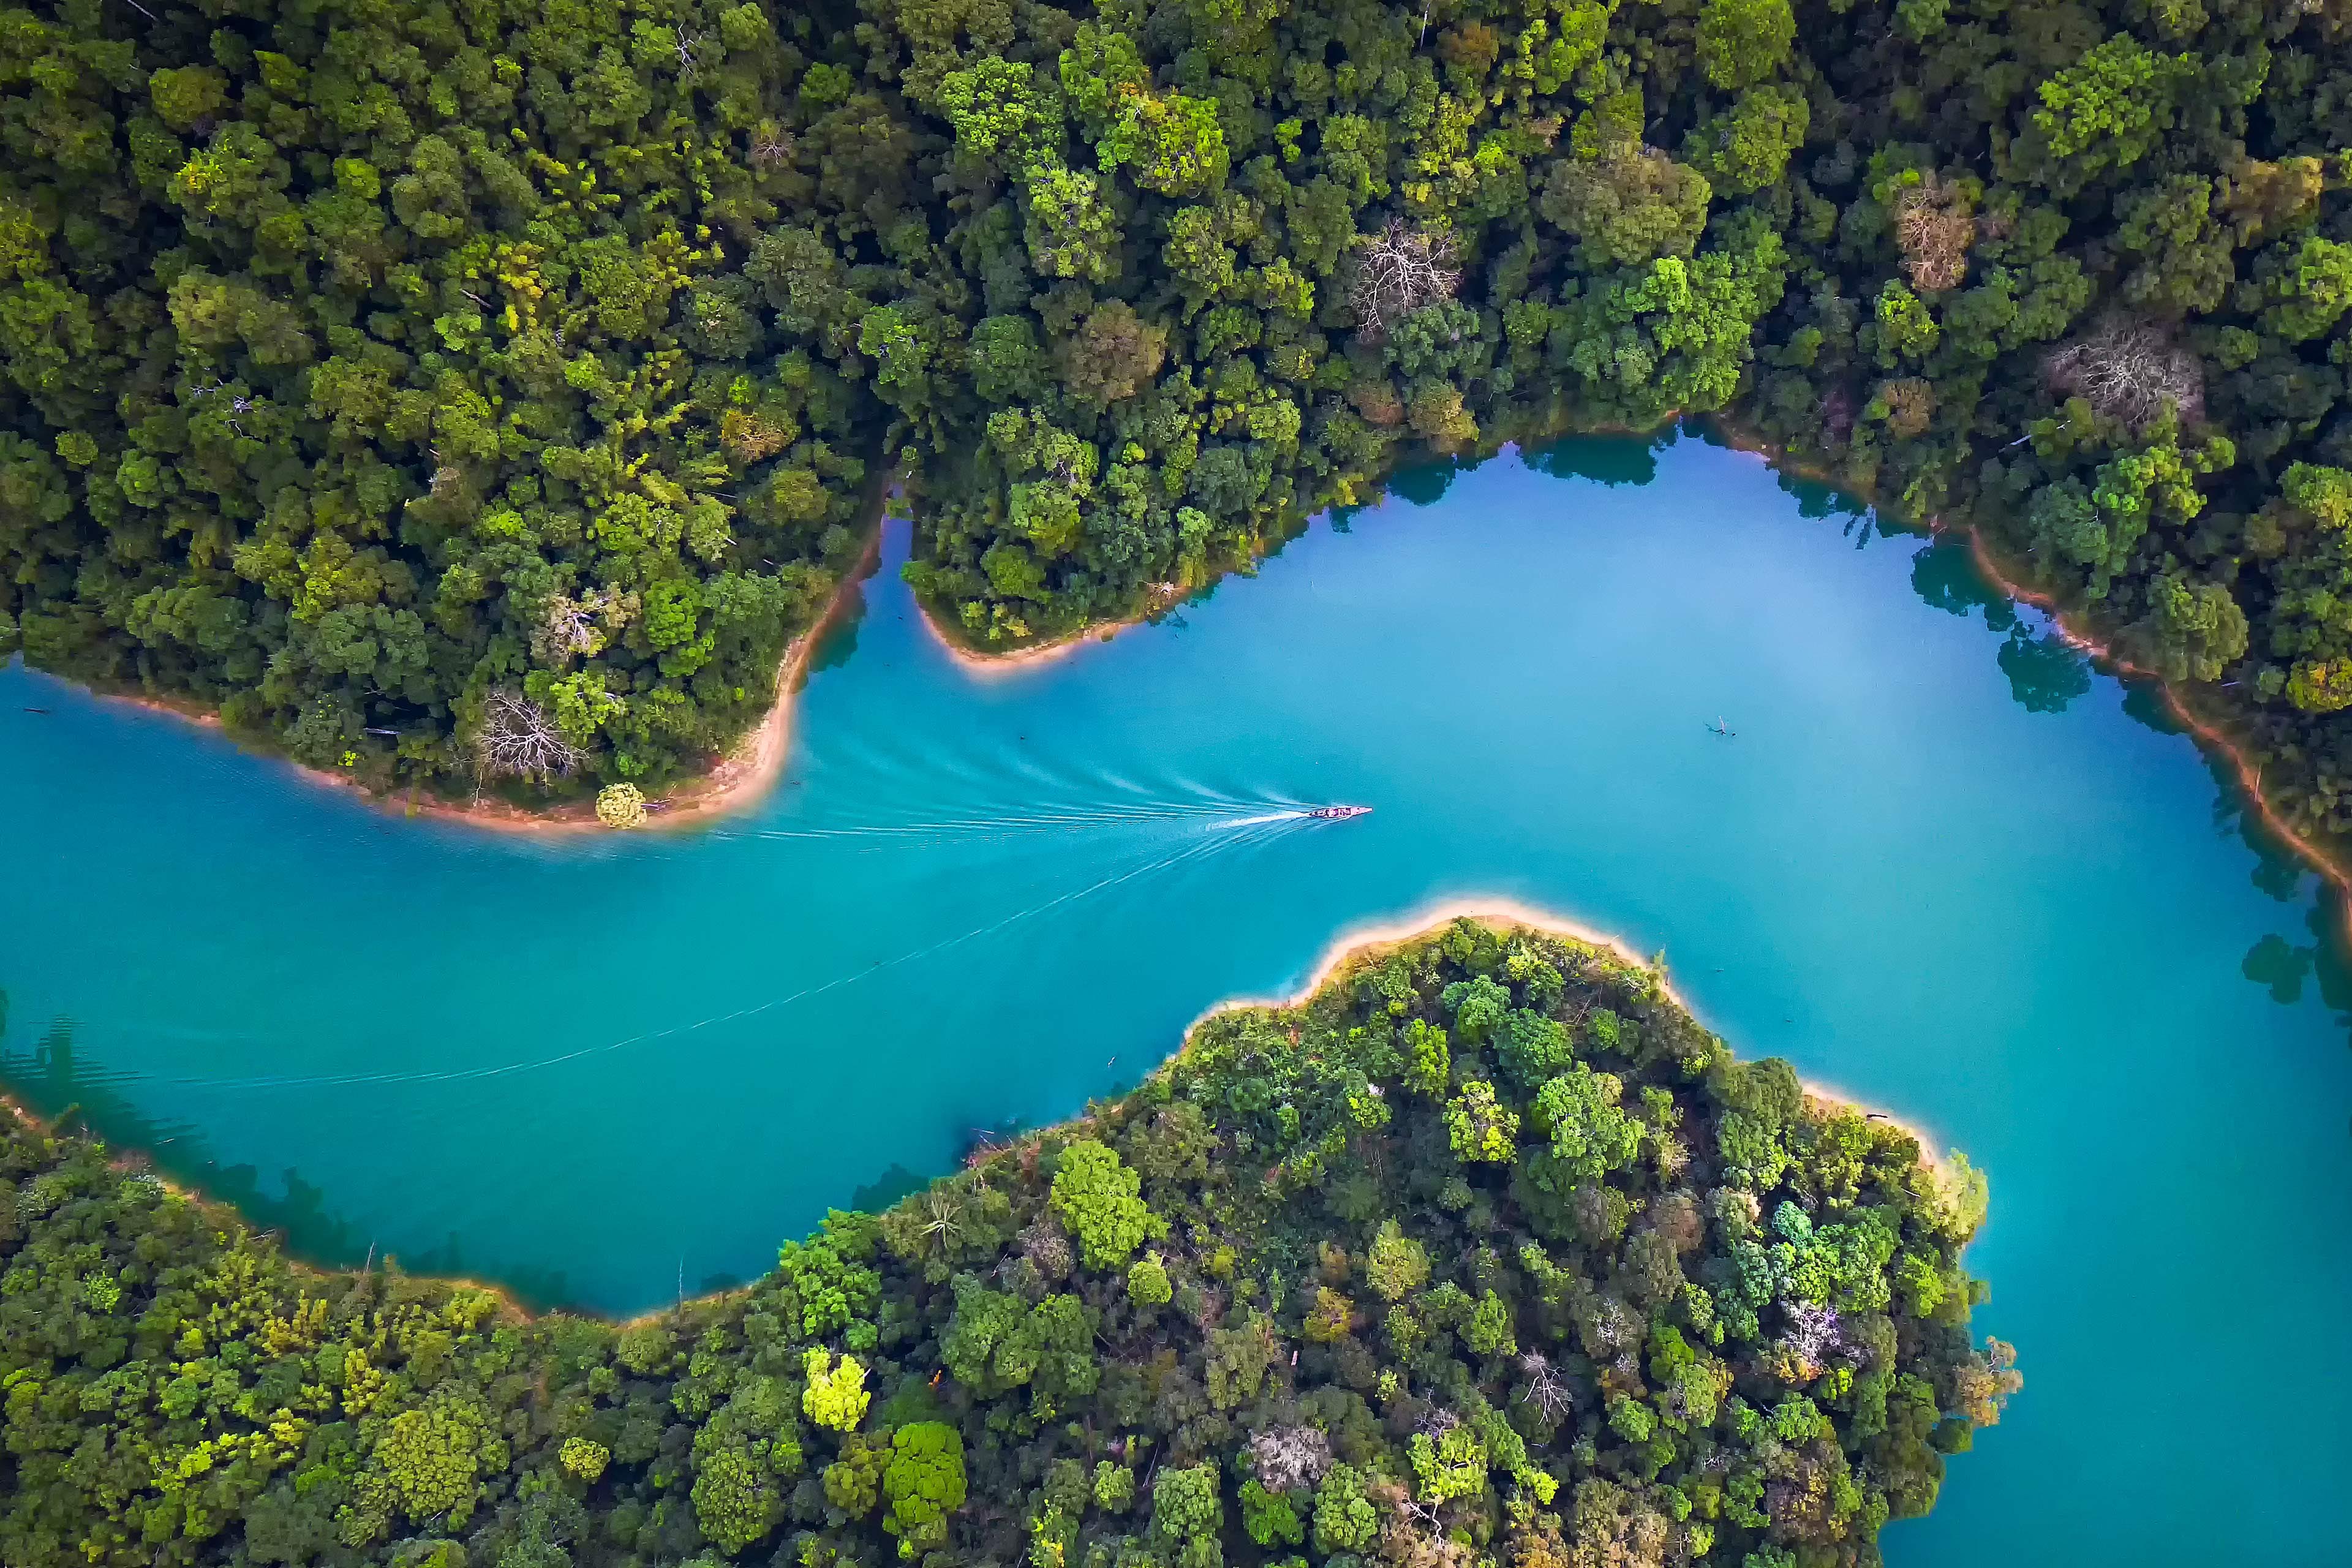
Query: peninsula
{"x": 1483, "y": 1238}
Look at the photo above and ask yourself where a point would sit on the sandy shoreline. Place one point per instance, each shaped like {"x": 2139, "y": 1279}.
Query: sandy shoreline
{"x": 1367, "y": 939}
{"x": 2209, "y": 736}
{"x": 990, "y": 664}
{"x": 1374, "y": 938}
{"x": 2250, "y": 782}
{"x": 751, "y": 768}
{"x": 745, "y": 774}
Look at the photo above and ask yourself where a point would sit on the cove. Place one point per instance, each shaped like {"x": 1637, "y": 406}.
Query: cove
{"x": 1942, "y": 866}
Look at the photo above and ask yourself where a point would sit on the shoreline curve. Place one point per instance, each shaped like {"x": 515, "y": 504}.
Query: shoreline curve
{"x": 744, "y": 774}
{"x": 2332, "y": 868}
{"x": 1352, "y": 942}
{"x": 1374, "y": 937}
{"x": 2207, "y": 734}
{"x": 751, "y": 769}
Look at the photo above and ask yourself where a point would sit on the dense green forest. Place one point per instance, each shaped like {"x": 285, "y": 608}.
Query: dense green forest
{"x": 1486, "y": 1254}
{"x": 489, "y": 389}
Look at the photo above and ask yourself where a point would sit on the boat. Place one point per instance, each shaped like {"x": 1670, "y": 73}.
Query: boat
{"x": 1339, "y": 813}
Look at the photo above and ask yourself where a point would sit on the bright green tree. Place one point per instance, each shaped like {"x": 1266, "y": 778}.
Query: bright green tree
{"x": 923, "y": 1483}
{"x": 1396, "y": 1265}
{"x": 1742, "y": 42}
{"x": 835, "y": 1395}
{"x": 1096, "y": 1197}
{"x": 1591, "y": 1133}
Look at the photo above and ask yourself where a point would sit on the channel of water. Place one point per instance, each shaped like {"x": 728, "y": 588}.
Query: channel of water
{"x": 1940, "y": 863}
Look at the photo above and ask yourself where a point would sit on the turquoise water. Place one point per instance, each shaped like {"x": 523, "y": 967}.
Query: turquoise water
{"x": 1942, "y": 866}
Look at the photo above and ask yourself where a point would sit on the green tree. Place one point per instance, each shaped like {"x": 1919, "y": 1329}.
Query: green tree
{"x": 1186, "y": 1506}
{"x": 1072, "y": 231}
{"x": 1268, "y": 1517}
{"x": 1628, "y": 208}
{"x": 1172, "y": 143}
{"x": 1113, "y": 355}
{"x": 1480, "y": 1128}
{"x": 2108, "y": 108}
{"x": 1451, "y": 1466}
{"x": 1344, "y": 1517}
{"x": 1590, "y": 1132}
{"x": 1397, "y": 1265}
{"x": 1146, "y": 1281}
{"x": 432, "y": 1455}
{"x": 1743, "y": 42}
{"x": 1748, "y": 147}
{"x": 1096, "y": 1197}
{"x": 924, "y": 1483}
{"x": 835, "y": 1395}
{"x": 734, "y": 1503}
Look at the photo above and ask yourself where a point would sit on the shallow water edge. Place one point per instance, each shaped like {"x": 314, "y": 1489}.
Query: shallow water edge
{"x": 1352, "y": 948}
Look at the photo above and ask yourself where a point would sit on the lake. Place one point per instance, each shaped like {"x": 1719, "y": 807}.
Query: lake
{"x": 1939, "y": 864}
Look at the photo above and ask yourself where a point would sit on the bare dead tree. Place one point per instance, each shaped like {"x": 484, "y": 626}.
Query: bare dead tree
{"x": 1935, "y": 227}
{"x": 566, "y": 630}
{"x": 1815, "y": 1332}
{"x": 518, "y": 740}
{"x": 1546, "y": 1391}
{"x": 1288, "y": 1456}
{"x": 573, "y": 628}
{"x": 1607, "y": 1327}
{"x": 1413, "y": 1510}
{"x": 1400, "y": 271}
{"x": 2130, "y": 371}
{"x": 772, "y": 147}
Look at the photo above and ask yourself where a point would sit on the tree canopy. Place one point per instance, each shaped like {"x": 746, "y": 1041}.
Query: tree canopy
{"x": 489, "y": 395}
{"x": 1728, "y": 1327}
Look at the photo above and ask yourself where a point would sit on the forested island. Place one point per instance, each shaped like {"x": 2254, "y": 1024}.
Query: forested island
{"x": 1485, "y": 1252}
{"x": 484, "y": 394}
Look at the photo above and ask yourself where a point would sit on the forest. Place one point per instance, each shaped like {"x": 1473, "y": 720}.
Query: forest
{"x": 1486, "y": 1253}
{"x": 483, "y": 393}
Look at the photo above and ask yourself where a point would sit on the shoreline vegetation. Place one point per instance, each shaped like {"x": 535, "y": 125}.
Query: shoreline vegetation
{"x": 1371, "y": 940}
{"x": 1482, "y": 1236}
{"x": 2331, "y": 860}
{"x": 748, "y": 771}
{"x": 2215, "y": 735}
{"x": 737, "y": 779}
{"x": 417, "y": 391}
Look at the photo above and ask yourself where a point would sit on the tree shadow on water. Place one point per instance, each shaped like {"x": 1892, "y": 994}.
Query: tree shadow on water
{"x": 838, "y": 640}
{"x": 2279, "y": 964}
{"x": 2282, "y": 967}
{"x": 58, "y": 1083}
{"x": 1425, "y": 483}
{"x": 1610, "y": 460}
{"x": 1945, "y": 575}
{"x": 2046, "y": 672}
{"x": 1817, "y": 499}
{"x": 886, "y": 1189}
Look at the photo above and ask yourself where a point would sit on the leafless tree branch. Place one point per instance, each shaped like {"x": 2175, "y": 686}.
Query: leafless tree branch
{"x": 1546, "y": 1391}
{"x": 1934, "y": 228}
{"x": 1398, "y": 272}
{"x": 518, "y": 740}
{"x": 2130, "y": 371}
{"x": 1288, "y": 1456}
